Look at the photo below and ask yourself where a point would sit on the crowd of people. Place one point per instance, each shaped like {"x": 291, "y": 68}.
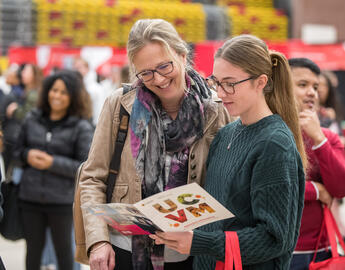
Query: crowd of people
{"x": 262, "y": 135}
{"x": 48, "y": 124}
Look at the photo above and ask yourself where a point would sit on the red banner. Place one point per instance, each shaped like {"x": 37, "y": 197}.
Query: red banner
{"x": 328, "y": 57}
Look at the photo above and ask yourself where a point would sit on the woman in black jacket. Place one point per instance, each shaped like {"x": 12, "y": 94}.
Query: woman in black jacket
{"x": 1, "y": 211}
{"x": 54, "y": 140}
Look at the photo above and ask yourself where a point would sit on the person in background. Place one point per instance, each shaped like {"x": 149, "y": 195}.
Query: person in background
{"x": 330, "y": 112}
{"x": 14, "y": 79}
{"x": 173, "y": 119}
{"x": 7, "y": 80}
{"x": 2, "y": 267}
{"x": 124, "y": 74}
{"x": 22, "y": 98}
{"x": 112, "y": 82}
{"x": 5, "y": 88}
{"x": 94, "y": 89}
{"x": 326, "y": 171}
{"x": 54, "y": 140}
{"x": 2, "y": 174}
{"x": 255, "y": 165}
{"x": 331, "y": 116}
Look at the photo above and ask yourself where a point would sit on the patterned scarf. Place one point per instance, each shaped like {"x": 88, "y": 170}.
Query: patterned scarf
{"x": 162, "y": 145}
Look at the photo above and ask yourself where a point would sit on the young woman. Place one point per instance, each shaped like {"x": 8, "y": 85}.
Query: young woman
{"x": 173, "y": 120}
{"x": 15, "y": 107}
{"x": 254, "y": 167}
{"x": 54, "y": 140}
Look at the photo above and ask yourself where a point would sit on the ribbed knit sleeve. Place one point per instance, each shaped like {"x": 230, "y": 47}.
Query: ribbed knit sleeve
{"x": 276, "y": 194}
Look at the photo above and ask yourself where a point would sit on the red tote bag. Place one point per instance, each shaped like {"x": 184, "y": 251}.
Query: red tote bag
{"x": 232, "y": 253}
{"x": 337, "y": 262}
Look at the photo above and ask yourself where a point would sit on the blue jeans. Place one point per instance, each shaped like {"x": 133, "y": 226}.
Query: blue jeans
{"x": 49, "y": 257}
{"x": 302, "y": 261}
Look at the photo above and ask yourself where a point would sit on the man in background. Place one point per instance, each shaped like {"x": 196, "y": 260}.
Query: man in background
{"x": 326, "y": 170}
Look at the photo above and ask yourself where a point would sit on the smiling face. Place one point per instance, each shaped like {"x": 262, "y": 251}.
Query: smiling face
{"x": 305, "y": 84}
{"x": 168, "y": 88}
{"x": 58, "y": 98}
{"x": 243, "y": 102}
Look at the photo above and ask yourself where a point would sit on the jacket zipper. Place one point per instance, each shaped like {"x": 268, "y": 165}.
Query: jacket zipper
{"x": 48, "y": 136}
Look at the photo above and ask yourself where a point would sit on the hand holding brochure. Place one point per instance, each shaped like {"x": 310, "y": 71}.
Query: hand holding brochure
{"x": 179, "y": 209}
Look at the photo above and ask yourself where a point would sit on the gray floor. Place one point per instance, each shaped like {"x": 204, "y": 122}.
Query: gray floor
{"x": 13, "y": 254}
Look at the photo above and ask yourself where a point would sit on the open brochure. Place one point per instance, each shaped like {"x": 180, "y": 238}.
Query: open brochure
{"x": 179, "y": 209}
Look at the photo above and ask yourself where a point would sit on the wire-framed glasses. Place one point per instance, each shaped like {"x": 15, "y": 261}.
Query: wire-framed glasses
{"x": 228, "y": 87}
{"x": 148, "y": 74}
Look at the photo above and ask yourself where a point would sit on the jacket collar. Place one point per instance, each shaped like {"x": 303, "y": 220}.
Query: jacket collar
{"x": 127, "y": 100}
{"x": 211, "y": 112}
{"x": 69, "y": 121}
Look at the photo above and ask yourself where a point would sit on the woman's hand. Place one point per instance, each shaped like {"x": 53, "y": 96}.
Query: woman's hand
{"x": 179, "y": 241}
{"x": 102, "y": 257}
{"x": 324, "y": 195}
{"x": 10, "y": 109}
{"x": 40, "y": 160}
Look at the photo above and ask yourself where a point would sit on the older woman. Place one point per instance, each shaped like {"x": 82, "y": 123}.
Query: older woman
{"x": 173, "y": 119}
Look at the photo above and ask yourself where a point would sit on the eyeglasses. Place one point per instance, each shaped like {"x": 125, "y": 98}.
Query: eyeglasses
{"x": 228, "y": 87}
{"x": 148, "y": 74}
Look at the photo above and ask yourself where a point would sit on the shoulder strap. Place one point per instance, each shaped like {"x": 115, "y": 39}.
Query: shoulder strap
{"x": 120, "y": 141}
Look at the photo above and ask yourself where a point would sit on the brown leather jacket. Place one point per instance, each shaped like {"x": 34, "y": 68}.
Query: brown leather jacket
{"x": 128, "y": 184}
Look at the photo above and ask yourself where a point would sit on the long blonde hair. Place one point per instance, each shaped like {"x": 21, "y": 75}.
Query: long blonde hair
{"x": 252, "y": 56}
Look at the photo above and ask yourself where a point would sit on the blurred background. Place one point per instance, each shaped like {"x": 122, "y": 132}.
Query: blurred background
{"x": 52, "y": 34}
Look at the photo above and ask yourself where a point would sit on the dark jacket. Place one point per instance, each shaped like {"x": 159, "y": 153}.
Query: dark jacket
{"x": 68, "y": 143}
{"x": 1, "y": 211}
{"x": 11, "y": 126}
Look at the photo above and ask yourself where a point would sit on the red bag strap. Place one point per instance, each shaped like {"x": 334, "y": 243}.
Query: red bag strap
{"x": 232, "y": 253}
{"x": 333, "y": 231}
{"x": 229, "y": 255}
{"x": 340, "y": 237}
{"x": 235, "y": 247}
{"x": 330, "y": 231}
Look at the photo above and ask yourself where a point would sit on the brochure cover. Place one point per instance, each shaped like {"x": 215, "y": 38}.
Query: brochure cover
{"x": 179, "y": 209}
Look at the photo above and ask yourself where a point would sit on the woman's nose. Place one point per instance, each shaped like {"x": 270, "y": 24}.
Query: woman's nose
{"x": 220, "y": 92}
{"x": 158, "y": 77}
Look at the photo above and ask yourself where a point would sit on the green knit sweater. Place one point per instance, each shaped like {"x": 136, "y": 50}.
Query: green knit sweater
{"x": 260, "y": 179}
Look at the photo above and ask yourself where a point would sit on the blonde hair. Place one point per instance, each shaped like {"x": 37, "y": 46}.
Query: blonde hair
{"x": 252, "y": 56}
{"x": 148, "y": 31}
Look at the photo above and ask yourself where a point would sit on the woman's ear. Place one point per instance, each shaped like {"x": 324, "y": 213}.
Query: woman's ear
{"x": 262, "y": 81}
{"x": 184, "y": 59}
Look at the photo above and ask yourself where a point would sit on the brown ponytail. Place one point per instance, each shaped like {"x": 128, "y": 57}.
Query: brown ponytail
{"x": 281, "y": 99}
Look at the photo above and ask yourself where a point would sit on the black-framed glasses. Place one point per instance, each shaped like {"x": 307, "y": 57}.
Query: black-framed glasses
{"x": 228, "y": 87}
{"x": 148, "y": 74}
